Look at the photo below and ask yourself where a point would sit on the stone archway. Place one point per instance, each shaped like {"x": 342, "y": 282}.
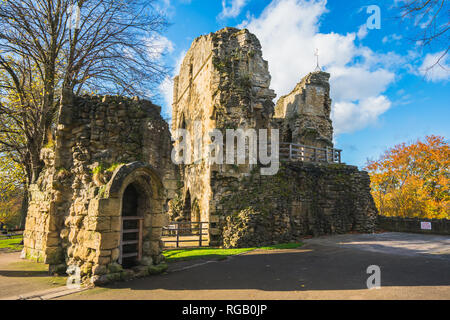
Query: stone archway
{"x": 137, "y": 192}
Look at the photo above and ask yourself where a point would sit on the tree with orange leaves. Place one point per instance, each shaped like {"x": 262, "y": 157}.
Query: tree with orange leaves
{"x": 413, "y": 180}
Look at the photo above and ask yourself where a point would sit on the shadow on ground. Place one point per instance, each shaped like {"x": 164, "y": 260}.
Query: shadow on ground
{"x": 314, "y": 267}
{"x": 23, "y": 273}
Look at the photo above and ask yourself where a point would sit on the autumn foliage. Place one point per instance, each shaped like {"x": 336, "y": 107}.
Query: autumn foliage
{"x": 412, "y": 180}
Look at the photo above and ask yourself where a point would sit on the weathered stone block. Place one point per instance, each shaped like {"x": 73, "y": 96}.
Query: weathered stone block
{"x": 156, "y": 234}
{"x": 104, "y": 207}
{"x": 159, "y": 220}
{"x": 116, "y": 224}
{"x": 109, "y": 240}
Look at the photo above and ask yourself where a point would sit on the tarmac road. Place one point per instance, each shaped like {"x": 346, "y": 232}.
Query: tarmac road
{"x": 412, "y": 266}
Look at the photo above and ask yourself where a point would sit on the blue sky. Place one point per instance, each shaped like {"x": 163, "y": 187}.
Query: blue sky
{"x": 381, "y": 93}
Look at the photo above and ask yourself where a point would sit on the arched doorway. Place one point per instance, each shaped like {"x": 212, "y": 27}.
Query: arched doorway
{"x": 195, "y": 217}
{"x": 187, "y": 207}
{"x": 184, "y": 222}
{"x": 288, "y": 135}
{"x": 134, "y": 206}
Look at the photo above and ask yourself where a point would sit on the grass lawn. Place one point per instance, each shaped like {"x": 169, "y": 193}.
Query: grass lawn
{"x": 11, "y": 244}
{"x": 173, "y": 255}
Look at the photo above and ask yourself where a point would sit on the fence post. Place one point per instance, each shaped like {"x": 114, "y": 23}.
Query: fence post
{"x": 178, "y": 233}
{"x": 121, "y": 243}
{"x": 200, "y": 233}
{"x": 290, "y": 151}
{"x": 141, "y": 229}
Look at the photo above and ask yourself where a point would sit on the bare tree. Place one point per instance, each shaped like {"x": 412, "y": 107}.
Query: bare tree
{"x": 431, "y": 20}
{"x": 52, "y": 47}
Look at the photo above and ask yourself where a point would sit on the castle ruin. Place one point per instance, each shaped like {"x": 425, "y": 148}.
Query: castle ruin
{"x": 109, "y": 184}
{"x": 224, "y": 83}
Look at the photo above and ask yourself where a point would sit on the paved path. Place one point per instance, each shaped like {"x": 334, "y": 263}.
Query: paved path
{"x": 24, "y": 278}
{"x": 412, "y": 267}
{"x": 402, "y": 244}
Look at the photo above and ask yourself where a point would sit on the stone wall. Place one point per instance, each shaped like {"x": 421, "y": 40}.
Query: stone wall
{"x": 302, "y": 199}
{"x": 102, "y": 145}
{"x": 399, "y": 224}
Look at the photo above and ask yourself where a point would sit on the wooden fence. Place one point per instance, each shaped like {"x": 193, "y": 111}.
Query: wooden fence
{"x": 180, "y": 233}
{"x": 299, "y": 152}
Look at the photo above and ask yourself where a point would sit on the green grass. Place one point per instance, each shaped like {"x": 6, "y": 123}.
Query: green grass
{"x": 11, "y": 244}
{"x": 202, "y": 253}
{"x": 282, "y": 246}
{"x": 173, "y": 255}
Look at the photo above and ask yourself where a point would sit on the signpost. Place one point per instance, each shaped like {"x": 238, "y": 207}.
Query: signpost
{"x": 425, "y": 225}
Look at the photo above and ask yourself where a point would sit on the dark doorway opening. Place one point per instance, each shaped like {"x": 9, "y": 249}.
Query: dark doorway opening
{"x": 186, "y": 215}
{"x": 288, "y": 136}
{"x": 132, "y": 225}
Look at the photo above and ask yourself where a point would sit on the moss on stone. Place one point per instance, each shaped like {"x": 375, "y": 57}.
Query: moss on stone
{"x": 157, "y": 269}
{"x": 114, "y": 268}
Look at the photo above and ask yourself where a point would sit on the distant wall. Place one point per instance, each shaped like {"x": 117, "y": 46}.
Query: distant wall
{"x": 398, "y": 224}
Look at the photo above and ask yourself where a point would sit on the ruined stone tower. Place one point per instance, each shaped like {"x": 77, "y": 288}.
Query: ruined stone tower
{"x": 304, "y": 114}
{"x": 223, "y": 84}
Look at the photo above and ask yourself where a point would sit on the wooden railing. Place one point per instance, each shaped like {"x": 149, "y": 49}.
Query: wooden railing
{"x": 185, "y": 232}
{"x": 299, "y": 152}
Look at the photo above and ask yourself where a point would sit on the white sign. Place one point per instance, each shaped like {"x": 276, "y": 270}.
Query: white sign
{"x": 425, "y": 225}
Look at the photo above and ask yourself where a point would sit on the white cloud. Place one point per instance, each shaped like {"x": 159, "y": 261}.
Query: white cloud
{"x": 166, "y": 90}
{"x": 392, "y": 38}
{"x": 435, "y": 67}
{"x": 165, "y": 7}
{"x": 158, "y": 45}
{"x": 357, "y": 83}
{"x": 233, "y": 9}
{"x": 349, "y": 116}
{"x": 166, "y": 87}
{"x": 362, "y": 32}
{"x": 289, "y": 33}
